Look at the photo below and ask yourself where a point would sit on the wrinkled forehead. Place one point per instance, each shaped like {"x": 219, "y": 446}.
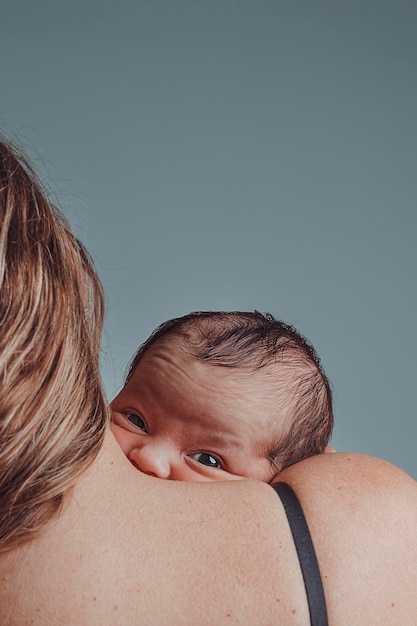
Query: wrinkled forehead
{"x": 258, "y": 400}
{"x": 277, "y": 378}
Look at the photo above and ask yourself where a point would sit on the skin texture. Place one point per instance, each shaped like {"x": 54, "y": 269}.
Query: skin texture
{"x": 132, "y": 549}
{"x": 180, "y": 419}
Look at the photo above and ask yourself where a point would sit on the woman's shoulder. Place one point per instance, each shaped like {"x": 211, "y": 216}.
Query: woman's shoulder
{"x": 349, "y": 476}
{"x": 362, "y": 514}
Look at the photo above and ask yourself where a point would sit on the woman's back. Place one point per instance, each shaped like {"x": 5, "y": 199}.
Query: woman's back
{"x": 131, "y": 549}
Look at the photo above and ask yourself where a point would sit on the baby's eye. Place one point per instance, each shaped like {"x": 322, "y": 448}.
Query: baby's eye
{"x": 205, "y": 458}
{"x": 136, "y": 420}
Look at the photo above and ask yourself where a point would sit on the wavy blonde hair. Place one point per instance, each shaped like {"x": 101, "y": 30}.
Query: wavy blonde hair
{"x": 52, "y": 407}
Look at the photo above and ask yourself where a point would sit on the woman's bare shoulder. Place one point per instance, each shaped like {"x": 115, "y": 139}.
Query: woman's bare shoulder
{"x": 362, "y": 514}
{"x": 353, "y": 474}
{"x": 355, "y": 494}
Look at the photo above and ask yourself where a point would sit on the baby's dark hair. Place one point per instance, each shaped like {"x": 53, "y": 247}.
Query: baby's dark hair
{"x": 251, "y": 341}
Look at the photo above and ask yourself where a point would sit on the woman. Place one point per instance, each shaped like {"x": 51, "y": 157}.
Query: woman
{"x": 86, "y": 539}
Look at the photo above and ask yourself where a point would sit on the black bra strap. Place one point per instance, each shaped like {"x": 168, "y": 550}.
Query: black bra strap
{"x": 306, "y": 554}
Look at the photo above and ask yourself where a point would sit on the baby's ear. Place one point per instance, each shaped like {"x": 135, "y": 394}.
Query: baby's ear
{"x": 329, "y": 449}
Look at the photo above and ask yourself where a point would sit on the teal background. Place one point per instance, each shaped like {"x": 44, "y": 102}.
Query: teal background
{"x": 238, "y": 155}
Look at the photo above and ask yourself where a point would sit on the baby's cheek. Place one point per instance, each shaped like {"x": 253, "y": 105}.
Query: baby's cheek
{"x": 122, "y": 437}
{"x": 236, "y": 477}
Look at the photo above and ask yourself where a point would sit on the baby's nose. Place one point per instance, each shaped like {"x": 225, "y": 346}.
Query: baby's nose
{"x": 152, "y": 460}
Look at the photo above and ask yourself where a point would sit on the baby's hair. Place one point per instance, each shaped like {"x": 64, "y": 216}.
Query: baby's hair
{"x": 253, "y": 340}
{"x": 53, "y": 410}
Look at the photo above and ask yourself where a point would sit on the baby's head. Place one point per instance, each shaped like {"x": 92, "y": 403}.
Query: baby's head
{"x": 223, "y": 396}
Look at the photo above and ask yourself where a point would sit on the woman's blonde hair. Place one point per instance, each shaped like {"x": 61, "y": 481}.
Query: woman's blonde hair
{"x": 52, "y": 406}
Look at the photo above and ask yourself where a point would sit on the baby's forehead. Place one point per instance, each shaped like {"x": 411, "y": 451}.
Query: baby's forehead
{"x": 279, "y": 379}
{"x": 228, "y": 352}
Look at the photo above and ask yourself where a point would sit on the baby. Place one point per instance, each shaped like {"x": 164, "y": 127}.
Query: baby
{"x": 223, "y": 396}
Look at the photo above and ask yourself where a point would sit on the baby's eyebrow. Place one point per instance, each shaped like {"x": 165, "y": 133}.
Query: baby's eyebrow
{"x": 214, "y": 439}
{"x": 212, "y": 432}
